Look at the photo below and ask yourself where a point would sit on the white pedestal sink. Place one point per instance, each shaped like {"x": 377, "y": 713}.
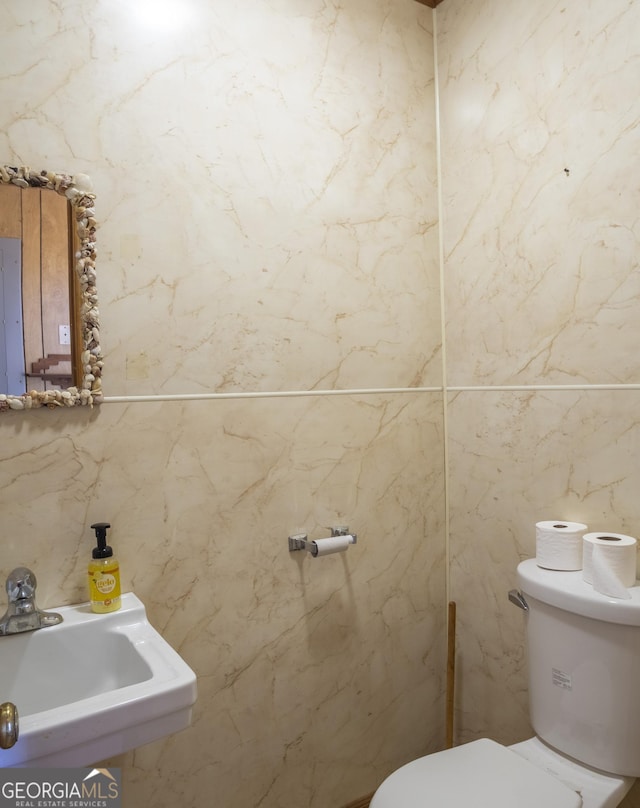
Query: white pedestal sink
{"x": 94, "y": 686}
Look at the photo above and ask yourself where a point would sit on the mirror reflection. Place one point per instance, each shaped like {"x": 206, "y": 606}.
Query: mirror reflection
{"x": 49, "y": 321}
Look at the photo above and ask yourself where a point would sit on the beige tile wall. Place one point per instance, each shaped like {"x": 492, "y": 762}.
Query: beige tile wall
{"x": 315, "y": 676}
{"x": 540, "y": 139}
{"x": 268, "y": 224}
{"x": 266, "y": 190}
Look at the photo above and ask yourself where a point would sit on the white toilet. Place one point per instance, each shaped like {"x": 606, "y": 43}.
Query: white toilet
{"x": 584, "y": 699}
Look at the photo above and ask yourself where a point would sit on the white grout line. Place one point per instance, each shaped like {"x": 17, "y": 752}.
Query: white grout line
{"x": 443, "y": 335}
{"x": 267, "y": 394}
{"x": 525, "y": 388}
{"x": 368, "y": 391}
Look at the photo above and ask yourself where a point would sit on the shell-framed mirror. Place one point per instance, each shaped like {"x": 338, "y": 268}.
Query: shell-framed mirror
{"x": 50, "y": 352}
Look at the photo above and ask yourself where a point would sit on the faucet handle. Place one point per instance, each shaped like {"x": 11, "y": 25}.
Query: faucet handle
{"x": 9, "y": 725}
{"x": 21, "y": 584}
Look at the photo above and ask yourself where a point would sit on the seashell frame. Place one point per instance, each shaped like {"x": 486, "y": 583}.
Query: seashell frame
{"x": 78, "y": 190}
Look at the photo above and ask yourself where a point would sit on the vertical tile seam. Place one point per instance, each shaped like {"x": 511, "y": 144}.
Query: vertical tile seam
{"x": 443, "y": 342}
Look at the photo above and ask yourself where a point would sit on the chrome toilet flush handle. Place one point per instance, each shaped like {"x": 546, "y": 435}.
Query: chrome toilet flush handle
{"x": 516, "y": 597}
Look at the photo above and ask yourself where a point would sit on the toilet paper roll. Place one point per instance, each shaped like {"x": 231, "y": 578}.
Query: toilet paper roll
{"x": 336, "y": 544}
{"x": 609, "y": 563}
{"x": 559, "y": 545}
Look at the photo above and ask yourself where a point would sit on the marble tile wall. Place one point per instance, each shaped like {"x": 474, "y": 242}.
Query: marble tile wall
{"x": 266, "y": 192}
{"x": 540, "y": 136}
{"x": 269, "y": 225}
{"x": 315, "y": 676}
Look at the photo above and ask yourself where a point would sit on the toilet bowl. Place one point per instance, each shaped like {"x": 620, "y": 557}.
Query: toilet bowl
{"x": 485, "y": 774}
{"x": 584, "y": 656}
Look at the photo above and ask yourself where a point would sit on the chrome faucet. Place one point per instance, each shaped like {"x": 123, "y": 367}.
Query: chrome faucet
{"x": 22, "y": 613}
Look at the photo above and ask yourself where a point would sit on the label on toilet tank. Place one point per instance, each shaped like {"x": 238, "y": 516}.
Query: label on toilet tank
{"x": 561, "y": 679}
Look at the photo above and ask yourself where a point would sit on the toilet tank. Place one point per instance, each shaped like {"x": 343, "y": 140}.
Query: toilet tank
{"x": 584, "y": 668}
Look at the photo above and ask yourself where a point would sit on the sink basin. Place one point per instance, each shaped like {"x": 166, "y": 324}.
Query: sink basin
{"x": 94, "y": 686}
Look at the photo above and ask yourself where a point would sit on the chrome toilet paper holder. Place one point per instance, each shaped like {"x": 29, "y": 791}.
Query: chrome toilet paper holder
{"x": 300, "y": 541}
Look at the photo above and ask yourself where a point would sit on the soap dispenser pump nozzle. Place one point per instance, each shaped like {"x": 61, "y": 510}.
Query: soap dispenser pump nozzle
{"x": 102, "y": 550}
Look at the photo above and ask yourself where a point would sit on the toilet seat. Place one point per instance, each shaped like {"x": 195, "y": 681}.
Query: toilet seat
{"x": 481, "y": 773}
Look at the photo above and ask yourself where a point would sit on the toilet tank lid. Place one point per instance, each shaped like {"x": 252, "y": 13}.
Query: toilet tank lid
{"x": 569, "y": 591}
{"x": 482, "y": 772}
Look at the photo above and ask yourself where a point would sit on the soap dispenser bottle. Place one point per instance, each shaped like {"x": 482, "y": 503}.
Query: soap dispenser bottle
{"x": 104, "y": 574}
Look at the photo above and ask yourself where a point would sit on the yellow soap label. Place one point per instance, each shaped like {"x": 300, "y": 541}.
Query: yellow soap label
{"x": 105, "y": 583}
{"x": 104, "y": 589}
